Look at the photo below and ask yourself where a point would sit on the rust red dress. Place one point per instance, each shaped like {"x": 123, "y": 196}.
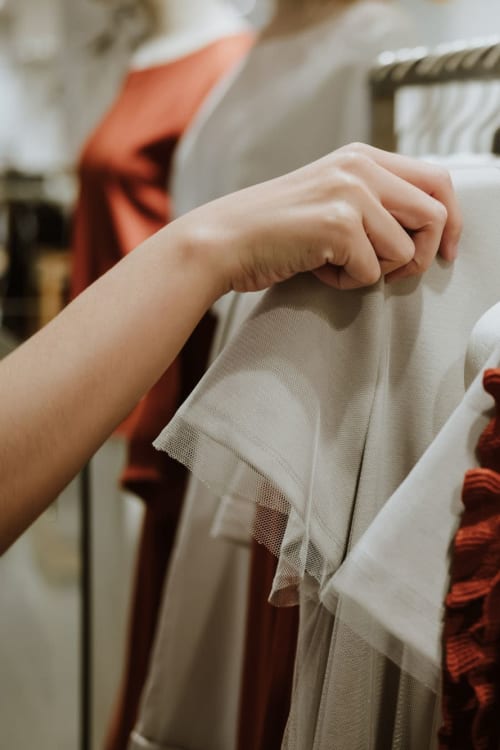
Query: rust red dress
{"x": 124, "y": 172}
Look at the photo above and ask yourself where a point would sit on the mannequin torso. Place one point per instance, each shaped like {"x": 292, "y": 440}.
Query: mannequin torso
{"x": 183, "y": 26}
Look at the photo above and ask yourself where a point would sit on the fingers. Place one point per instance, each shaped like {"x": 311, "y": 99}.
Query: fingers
{"x": 367, "y": 242}
{"x": 429, "y": 178}
{"x": 427, "y": 240}
{"x": 409, "y": 214}
{"x": 350, "y": 217}
{"x": 436, "y": 183}
{"x": 393, "y": 246}
{"x": 424, "y": 217}
{"x": 351, "y": 260}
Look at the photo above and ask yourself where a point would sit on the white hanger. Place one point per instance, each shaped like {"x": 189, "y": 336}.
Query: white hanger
{"x": 450, "y": 96}
{"x": 465, "y": 129}
{"x": 441, "y": 103}
{"x": 409, "y": 113}
{"x": 490, "y": 119}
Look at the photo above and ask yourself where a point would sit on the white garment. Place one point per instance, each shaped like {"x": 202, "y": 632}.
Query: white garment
{"x": 256, "y": 126}
{"x": 295, "y": 98}
{"x": 395, "y": 579}
{"x": 320, "y": 385}
{"x": 32, "y": 136}
{"x": 318, "y": 410}
{"x": 98, "y": 43}
{"x": 443, "y": 118}
{"x": 163, "y": 49}
{"x": 190, "y": 699}
{"x": 347, "y": 696}
{"x": 37, "y": 30}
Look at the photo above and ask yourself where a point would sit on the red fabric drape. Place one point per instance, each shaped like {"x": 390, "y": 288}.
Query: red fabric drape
{"x": 124, "y": 172}
{"x": 270, "y": 645}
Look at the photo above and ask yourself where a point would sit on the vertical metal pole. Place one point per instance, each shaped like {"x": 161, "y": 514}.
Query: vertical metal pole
{"x": 85, "y": 610}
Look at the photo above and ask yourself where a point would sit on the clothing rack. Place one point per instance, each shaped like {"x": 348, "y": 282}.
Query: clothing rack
{"x": 86, "y": 610}
{"x": 478, "y": 60}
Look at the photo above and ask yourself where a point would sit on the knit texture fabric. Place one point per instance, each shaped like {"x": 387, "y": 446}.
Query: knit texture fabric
{"x": 471, "y": 654}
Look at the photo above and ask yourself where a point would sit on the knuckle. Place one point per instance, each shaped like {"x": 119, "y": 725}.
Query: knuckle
{"x": 346, "y": 220}
{"x": 442, "y": 179}
{"x": 406, "y": 250}
{"x": 357, "y": 188}
{"x": 440, "y": 213}
{"x": 357, "y": 147}
{"x": 352, "y": 160}
{"x": 421, "y": 262}
{"x": 350, "y": 187}
{"x": 344, "y": 282}
{"x": 420, "y": 265}
{"x": 372, "y": 274}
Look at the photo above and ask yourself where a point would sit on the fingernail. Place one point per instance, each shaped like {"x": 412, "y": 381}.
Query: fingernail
{"x": 449, "y": 251}
{"x": 454, "y": 251}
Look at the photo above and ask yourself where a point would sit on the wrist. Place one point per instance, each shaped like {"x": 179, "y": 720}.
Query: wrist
{"x": 203, "y": 250}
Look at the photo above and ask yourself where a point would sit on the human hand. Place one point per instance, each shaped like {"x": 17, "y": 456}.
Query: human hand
{"x": 350, "y": 217}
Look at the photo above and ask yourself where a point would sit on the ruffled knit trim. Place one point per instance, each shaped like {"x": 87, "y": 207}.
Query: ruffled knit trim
{"x": 471, "y": 633}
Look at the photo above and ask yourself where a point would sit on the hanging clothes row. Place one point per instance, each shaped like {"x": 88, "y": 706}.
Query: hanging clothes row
{"x": 317, "y": 411}
{"x": 438, "y": 103}
{"x": 321, "y": 441}
{"x": 317, "y": 405}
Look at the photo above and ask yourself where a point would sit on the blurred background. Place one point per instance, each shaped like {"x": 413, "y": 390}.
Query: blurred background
{"x": 138, "y": 83}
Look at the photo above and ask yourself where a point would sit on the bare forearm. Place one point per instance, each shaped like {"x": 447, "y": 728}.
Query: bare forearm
{"x": 66, "y": 389}
{"x": 343, "y": 217}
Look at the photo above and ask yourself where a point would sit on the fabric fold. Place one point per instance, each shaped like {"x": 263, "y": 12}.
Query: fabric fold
{"x": 324, "y": 402}
{"x": 394, "y": 581}
{"x": 270, "y": 417}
